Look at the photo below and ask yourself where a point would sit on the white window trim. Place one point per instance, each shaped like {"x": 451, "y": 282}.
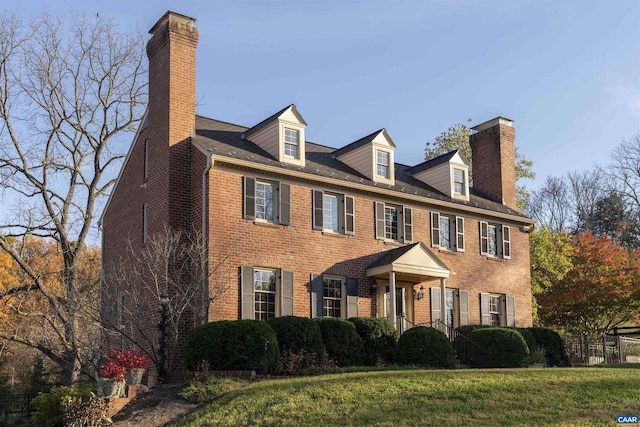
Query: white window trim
{"x": 274, "y": 204}
{"x": 388, "y": 166}
{"x": 295, "y": 144}
{"x": 286, "y": 125}
{"x": 274, "y": 292}
{"x": 343, "y": 295}
{"x": 465, "y": 185}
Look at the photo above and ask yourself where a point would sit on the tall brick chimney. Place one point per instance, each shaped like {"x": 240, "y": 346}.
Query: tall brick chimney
{"x": 171, "y": 115}
{"x": 493, "y": 156}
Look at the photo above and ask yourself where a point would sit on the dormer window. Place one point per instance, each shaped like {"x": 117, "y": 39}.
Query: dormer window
{"x": 382, "y": 164}
{"x": 291, "y": 142}
{"x": 459, "y": 182}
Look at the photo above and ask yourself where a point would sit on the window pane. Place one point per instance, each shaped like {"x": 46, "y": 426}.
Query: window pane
{"x": 448, "y": 301}
{"x": 493, "y": 240}
{"x": 330, "y": 205}
{"x": 264, "y": 201}
{"x": 458, "y": 181}
{"x": 445, "y": 232}
{"x": 291, "y": 143}
{"x": 382, "y": 164}
{"x": 391, "y": 222}
{"x": 494, "y": 309}
{"x": 332, "y": 297}
{"x": 264, "y": 283}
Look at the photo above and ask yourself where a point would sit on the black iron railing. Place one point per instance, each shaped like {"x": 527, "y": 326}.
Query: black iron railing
{"x": 465, "y": 350}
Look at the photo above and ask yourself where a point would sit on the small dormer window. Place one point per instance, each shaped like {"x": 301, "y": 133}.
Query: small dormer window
{"x": 459, "y": 184}
{"x": 291, "y": 142}
{"x": 382, "y": 164}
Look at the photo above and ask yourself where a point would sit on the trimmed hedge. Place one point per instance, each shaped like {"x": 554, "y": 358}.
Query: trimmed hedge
{"x": 467, "y": 329}
{"x": 424, "y": 346}
{"x": 507, "y": 346}
{"x": 379, "y": 339}
{"x": 300, "y": 341}
{"x": 223, "y": 345}
{"x": 553, "y": 345}
{"x": 342, "y": 342}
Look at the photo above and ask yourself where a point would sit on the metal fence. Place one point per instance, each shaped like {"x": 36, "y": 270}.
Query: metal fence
{"x": 606, "y": 349}
{"x": 15, "y": 404}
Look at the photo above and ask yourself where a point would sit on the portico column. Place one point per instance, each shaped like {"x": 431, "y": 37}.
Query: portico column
{"x": 443, "y": 296}
{"x": 392, "y": 298}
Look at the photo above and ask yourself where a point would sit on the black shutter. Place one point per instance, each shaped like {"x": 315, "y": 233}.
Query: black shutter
{"x": 317, "y": 294}
{"x": 249, "y": 198}
{"x": 435, "y": 306}
{"x": 380, "y": 234}
{"x": 318, "y": 210}
{"x": 350, "y": 217}
{"x": 485, "y": 316}
{"x": 248, "y": 300}
{"x": 286, "y": 308}
{"x": 408, "y": 225}
{"x": 352, "y": 297}
{"x": 285, "y": 204}
{"x": 435, "y": 229}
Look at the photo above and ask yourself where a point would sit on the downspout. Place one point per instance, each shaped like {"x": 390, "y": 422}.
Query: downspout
{"x": 204, "y": 315}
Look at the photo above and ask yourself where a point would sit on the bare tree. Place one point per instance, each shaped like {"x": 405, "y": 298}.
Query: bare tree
{"x": 68, "y": 90}
{"x": 550, "y": 205}
{"x": 625, "y": 170}
{"x": 174, "y": 263}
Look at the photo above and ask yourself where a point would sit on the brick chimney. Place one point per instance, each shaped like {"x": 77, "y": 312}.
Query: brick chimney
{"x": 493, "y": 157}
{"x": 171, "y": 115}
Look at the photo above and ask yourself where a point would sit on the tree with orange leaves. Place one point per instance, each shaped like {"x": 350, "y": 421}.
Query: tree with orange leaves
{"x": 600, "y": 291}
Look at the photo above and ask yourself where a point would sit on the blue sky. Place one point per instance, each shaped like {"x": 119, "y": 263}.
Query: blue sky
{"x": 566, "y": 72}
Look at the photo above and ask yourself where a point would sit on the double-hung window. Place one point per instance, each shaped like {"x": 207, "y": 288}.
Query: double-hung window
{"x": 382, "y": 164}
{"x": 497, "y": 309}
{"x": 291, "y": 142}
{"x": 333, "y": 212}
{"x": 334, "y": 296}
{"x": 456, "y": 307}
{"x": 264, "y": 282}
{"x": 266, "y": 293}
{"x": 447, "y": 232}
{"x": 267, "y": 201}
{"x": 394, "y": 222}
{"x": 495, "y": 240}
{"x": 459, "y": 182}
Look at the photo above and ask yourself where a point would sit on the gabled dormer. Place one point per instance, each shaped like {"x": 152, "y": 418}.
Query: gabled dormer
{"x": 448, "y": 174}
{"x": 281, "y": 135}
{"x": 372, "y": 156}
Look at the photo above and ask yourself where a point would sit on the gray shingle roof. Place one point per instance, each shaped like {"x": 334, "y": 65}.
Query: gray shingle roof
{"x": 225, "y": 140}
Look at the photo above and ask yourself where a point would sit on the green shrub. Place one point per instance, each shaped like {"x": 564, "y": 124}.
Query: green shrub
{"x": 467, "y": 329}
{"x": 529, "y": 338}
{"x": 506, "y": 346}
{"x": 424, "y": 346}
{"x": 232, "y": 345}
{"x": 210, "y": 389}
{"x": 300, "y": 341}
{"x": 341, "y": 341}
{"x": 553, "y": 345}
{"x": 379, "y": 339}
{"x": 50, "y": 407}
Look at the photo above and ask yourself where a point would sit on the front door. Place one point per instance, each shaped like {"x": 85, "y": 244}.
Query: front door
{"x": 404, "y": 315}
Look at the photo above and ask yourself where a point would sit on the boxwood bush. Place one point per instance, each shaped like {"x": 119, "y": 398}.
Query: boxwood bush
{"x": 553, "y": 345}
{"x": 341, "y": 341}
{"x": 50, "y": 407}
{"x": 231, "y": 345}
{"x": 424, "y": 346}
{"x": 379, "y": 339}
{"x": 300, "y": 341}
{"x": 506, "y": 346}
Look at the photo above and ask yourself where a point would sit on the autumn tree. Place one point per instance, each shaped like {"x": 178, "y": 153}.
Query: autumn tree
{"x": 457, "y": 138}
{"x": 68, "y": 91}
{"x": 599, "y": 292}
{"x": 550, "y": 254}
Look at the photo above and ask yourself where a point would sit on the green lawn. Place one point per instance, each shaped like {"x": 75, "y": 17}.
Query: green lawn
{"x": 501, "y": 397}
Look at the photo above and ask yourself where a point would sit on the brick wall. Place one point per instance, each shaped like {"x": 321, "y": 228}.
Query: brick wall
{"x": 305, "y": 251}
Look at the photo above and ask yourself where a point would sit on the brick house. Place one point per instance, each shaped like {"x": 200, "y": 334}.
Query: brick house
{"x": 311, "y": 230}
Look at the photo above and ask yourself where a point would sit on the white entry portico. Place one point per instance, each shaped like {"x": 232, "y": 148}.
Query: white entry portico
{"x": 402, "y": 268}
